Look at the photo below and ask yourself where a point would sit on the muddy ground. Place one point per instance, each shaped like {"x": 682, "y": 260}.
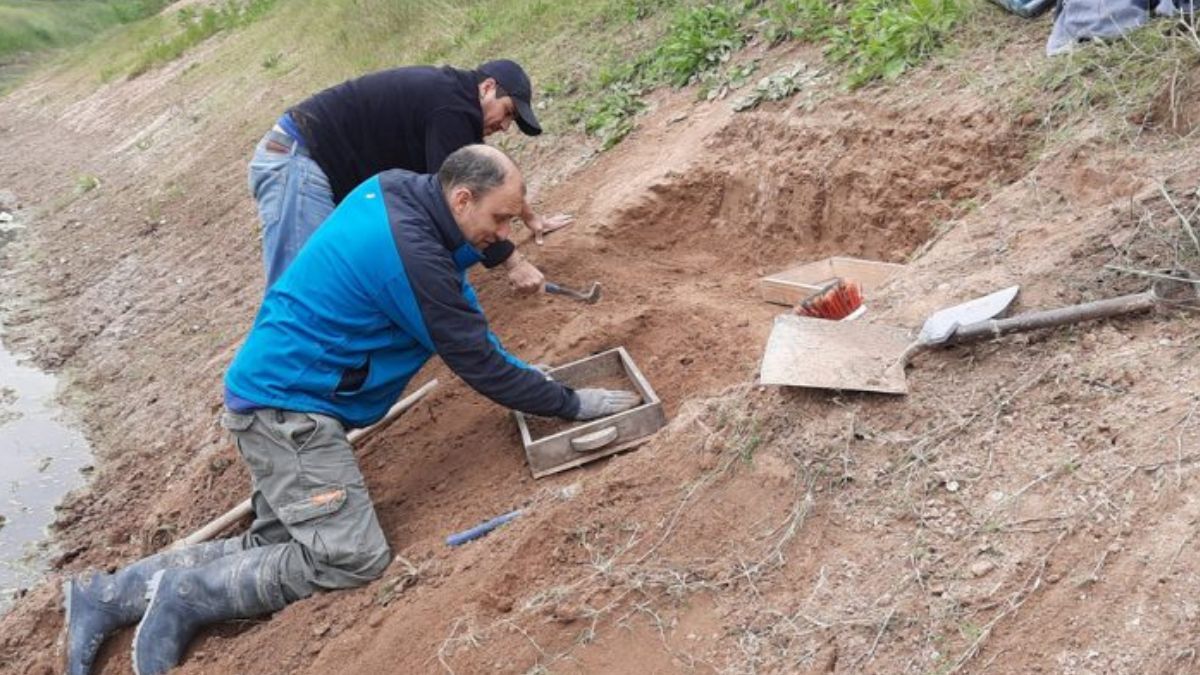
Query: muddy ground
{"x": 1026, "y": 508}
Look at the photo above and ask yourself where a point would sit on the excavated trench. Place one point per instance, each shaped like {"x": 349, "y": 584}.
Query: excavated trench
{"x": 679, "y": 265}
{"x": 679, "y": 259}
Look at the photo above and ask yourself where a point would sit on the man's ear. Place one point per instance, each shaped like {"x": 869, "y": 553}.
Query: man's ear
{"x": 460, "y": 197}
{"x": 488, "y": 85}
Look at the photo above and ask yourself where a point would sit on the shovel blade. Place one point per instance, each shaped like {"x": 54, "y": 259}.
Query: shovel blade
{"x": 821, "y": 354}
{"x": 941, "y": 325}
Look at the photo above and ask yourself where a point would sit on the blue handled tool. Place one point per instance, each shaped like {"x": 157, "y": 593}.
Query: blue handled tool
{"x": 591, "y": 297}
{"x": 460, "y": 538}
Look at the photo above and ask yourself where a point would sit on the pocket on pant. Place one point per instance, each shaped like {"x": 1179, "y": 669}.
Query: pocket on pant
{"x": 322, "y": 502}
{"x": 269, "y": 178}
{"x": 304, "y": 430}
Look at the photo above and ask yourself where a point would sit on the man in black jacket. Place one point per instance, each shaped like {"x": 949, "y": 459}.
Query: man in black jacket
{"x": 404, "y": 118}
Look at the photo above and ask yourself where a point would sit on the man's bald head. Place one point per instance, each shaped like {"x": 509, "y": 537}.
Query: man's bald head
{"x": 485, "y": 190}
{"x": 479, "y": 168}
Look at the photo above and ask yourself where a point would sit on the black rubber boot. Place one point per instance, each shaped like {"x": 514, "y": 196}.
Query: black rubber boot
{"x": 97, "y": 606}
{"x": 182, "y": 601}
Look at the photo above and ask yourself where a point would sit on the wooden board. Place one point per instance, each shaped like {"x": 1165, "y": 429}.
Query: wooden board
{"x": 555, "y": 452}
{"x": 854, "y": 355}
{"x": 791, "y": 286}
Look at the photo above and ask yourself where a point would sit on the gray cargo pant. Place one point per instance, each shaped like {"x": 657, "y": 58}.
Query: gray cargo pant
{"x": 309, "y": 495}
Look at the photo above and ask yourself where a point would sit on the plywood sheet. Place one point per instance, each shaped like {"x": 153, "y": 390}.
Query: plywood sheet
{"x": 822, "y": 354}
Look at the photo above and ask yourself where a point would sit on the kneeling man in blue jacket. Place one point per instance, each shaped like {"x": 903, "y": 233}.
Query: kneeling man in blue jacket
{"x": 379, "y": 289}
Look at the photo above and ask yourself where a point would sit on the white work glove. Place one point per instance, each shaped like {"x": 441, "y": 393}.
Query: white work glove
{"x": 595, "y": 403}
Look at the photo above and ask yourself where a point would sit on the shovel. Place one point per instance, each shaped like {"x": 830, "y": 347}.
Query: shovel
{"x": 591, "y": 297}
{"x": 1176, "y": 291}
{"x": 822, "y": 354}
{"x": 863, "y": 357}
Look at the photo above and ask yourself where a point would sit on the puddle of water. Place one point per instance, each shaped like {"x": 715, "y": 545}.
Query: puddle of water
{"x": 42, "y": 457}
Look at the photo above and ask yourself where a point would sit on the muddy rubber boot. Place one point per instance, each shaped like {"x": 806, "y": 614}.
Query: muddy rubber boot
{"x": 182, "y": 601}
{"x": 96, "y": 607}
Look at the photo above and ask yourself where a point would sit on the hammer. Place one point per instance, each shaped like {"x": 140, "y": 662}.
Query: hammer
{"x": 591, "y": 297}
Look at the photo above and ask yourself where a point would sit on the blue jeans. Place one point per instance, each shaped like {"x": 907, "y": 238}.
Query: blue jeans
{"x": 293, "y": 198}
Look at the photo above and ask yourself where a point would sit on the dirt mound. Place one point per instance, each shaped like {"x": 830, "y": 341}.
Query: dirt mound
{"x": 1175, "y": 110}
{"x": 850, "y": 179}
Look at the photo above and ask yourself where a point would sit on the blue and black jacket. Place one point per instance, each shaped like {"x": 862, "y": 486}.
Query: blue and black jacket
{"x": 378, "y": 289}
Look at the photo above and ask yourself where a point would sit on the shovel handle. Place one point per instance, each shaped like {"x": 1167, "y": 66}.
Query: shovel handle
{"x": 356, "y": 437}
{"x": 1063, "y": 316}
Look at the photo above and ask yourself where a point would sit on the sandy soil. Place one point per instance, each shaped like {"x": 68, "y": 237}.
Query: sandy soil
{"x": 1027, "y": 508}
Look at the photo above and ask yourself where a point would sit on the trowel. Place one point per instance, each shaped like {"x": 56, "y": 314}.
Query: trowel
{"x": 591, "y": 297}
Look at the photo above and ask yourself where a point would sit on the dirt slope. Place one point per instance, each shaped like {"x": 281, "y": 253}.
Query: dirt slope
{"x": 1026, "y": 508}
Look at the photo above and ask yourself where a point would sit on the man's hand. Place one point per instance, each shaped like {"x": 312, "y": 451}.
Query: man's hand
{"x": 523, "y": 275}
{"x": 543, "y": 226}
{"x": 594, "y": 403}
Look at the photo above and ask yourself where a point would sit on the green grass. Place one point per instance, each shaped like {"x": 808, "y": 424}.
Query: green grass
{"x": 593, "y": 61}
{"x": 806, "y": 20}
{"x": 39, "y": 25}
{"x": 873, "y": 39}
{"x": 198, "y": 25}
{"x": 881, "y": 39}
{"x": 700, "y": 38}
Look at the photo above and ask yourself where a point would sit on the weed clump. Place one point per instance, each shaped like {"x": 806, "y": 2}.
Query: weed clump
{"x": 872, "y": 39}
{"x": 197, "y": 26}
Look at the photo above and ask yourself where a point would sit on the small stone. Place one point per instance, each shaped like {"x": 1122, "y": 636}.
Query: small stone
{"x": 952, "y": 486}
{"x": 982, "y": 567}
{"x": 376, "y": 618}
{"x": 5, "y": 217}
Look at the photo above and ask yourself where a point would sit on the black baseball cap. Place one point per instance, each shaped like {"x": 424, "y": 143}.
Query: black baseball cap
{"x": 512, "y": 77}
